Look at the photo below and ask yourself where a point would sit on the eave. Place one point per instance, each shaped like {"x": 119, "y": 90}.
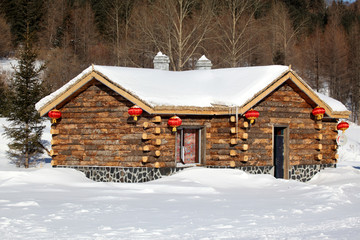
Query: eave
{"x": 191, "y": 110}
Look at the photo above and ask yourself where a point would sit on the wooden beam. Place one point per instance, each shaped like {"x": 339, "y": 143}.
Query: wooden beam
{"x": 318, "y": 157}
{"x": 144, "y": 159}
{"x": 145, "y": 136}
{"x": 318, "y": 126}
{"x": 53, "y": 153}
{"x": 146, "y": 125}
{"x": 54, "y": 131}
{"x": 244, "y": 147}
{"x": 244, "y": 158}
{"x": 157, "y": 119}
{"x": 157, "y": 142}
{"x": 157, "y": 130}
{"x": 244, "y": 136}
{"x": 319, "y": 136}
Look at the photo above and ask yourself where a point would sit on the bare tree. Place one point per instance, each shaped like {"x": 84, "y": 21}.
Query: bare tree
{"x": 83, "y": 31}
{"x": 336, "y": 59}
{"x": 176, "y": 27}
{"x": 310, "y": 58}
{"x": 119, "y": 13}
{"x": 353, "y": 69}
{"x": 62, "y": 65}
{"x": 52, "y": 24}
{"x": 234, "y": 27}
{"x": 283, "y": 34}
{"x": 5, "y": 37}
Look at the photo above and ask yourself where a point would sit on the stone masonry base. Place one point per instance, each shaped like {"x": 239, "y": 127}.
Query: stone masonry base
{"x": 301, "y": 173}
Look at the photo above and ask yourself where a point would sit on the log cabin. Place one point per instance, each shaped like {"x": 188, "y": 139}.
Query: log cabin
{"x": 136, "y": 125}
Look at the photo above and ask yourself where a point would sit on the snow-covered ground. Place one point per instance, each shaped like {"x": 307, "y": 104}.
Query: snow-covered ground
{"x": 198, "y": 203}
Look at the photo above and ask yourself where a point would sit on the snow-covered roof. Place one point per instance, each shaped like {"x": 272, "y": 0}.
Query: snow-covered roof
{"x": 200, "y": 88}
{"x": 333, "y": 103}
{"x": 230, "y": 87}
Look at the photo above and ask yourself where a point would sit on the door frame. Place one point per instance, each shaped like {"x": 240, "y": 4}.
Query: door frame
{"x": 201, "y": 144}
{"x": 286, "y": 163}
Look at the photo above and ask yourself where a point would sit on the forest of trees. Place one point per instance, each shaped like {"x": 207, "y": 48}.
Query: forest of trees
{"x": 319, "y": 38}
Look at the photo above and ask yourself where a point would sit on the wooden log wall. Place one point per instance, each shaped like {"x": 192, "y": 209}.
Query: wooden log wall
{"x": 287, "y": 107}
{"x": 95, "y": 129}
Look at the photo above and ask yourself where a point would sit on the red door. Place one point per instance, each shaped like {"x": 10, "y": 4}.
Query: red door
{"x": 187, "y": 146}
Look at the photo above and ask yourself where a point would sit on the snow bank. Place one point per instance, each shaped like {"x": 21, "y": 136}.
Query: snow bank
{"x": 226, "y": 178}
{"x": 337, "y": 177}
{"x": 349, "y": 154}
{"x": 197, "y": 203}
{"x": 65, "y": 177}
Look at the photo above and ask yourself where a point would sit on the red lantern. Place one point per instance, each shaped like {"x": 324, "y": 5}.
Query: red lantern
{"x": 318, "y": 112}
{"x": 174, "y": 122}
{"x": 252, "y": 115}
{"x": 135, "y": 111}
{"x": 342, "y": 126}
{"x": 54, "y": 114}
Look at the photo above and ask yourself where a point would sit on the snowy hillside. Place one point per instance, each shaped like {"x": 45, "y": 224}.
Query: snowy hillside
{"x": 198, "y": 203}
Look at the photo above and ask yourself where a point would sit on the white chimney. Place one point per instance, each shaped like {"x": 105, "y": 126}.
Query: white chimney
{"x": 161, "y": 61}
{"x": 203, "y": 63}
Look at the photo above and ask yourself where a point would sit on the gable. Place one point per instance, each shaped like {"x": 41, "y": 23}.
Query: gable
{"x": 82, "y": 84}
{"x": 94, "y": 96}
{"x": 286, "y": 98}
{"x": 301, "y": 88}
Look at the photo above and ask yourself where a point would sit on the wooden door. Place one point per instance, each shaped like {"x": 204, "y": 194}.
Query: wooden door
{"x": 187, "y": 146}
{"x": 279, "y": 152}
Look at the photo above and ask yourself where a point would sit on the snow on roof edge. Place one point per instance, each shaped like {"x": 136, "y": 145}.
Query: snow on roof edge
{"x": 46, "y": 100}
{"x": 332, "y": 103}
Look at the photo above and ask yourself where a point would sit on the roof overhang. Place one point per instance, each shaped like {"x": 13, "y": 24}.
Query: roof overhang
{"x": 189, "y": 110}
{"x": 303, "y": 86}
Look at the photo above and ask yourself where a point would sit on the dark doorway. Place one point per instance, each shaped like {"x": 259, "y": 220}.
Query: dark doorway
{"x": 279, "y": 151}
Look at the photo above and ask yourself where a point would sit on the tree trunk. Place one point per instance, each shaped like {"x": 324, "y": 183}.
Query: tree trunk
{"x": 26, "y": 163}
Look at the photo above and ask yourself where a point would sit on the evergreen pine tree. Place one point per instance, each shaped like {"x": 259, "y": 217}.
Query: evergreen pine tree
{"x": 25, "y": 129}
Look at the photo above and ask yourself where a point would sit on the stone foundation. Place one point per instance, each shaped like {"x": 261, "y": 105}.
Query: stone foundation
{"x": 301, "y": 173}
{"x": 123, "y": 174}
{"x": 304, "y": 173}
{"x": 250, "y": 169}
